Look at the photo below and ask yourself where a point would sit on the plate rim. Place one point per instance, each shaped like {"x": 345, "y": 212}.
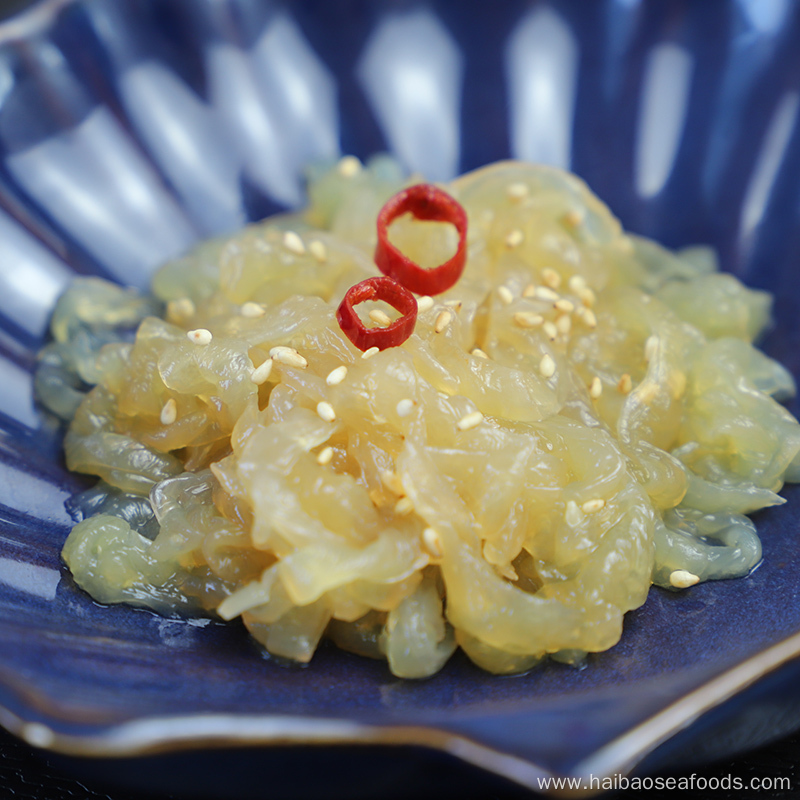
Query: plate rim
{"x": 155, "y": 735}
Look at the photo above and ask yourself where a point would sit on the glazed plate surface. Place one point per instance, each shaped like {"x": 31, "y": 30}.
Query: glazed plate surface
{"x": 130, "y": 130}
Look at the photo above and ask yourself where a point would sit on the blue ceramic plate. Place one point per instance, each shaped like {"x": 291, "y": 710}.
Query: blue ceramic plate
{"x": 130, "y": 129}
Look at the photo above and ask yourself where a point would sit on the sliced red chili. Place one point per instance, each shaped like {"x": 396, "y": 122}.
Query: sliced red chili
{"x": 391, "y": 292}
{"x": 427, "y": 202}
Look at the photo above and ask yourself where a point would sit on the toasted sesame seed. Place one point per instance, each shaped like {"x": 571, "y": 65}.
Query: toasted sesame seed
{"x": 442, "y": 321}
{"x": 391, "y": 480}
{"x": 349, "y": 166}
{"x": 424, "y": 303}
{"x": 291, "y": 241}
{"x": 405, "y": 407}
{"x": 260, "y": 374}
{"x": 573, "y": 515}
{"x": 200, "y": 336}
{"x": 181, "y": 309}
{"x": 288, "y": 356}
{"x": 529, "y": 291}
{"x": 683, "y": 579}
{"x": 325, "y": 456}
{"x": 380, "y": 317}
{"x": 370, "y": 352}
{"x": 550, "y": 331}
{"x": 505, "y": 294}
{"x": 551, "y": 278}
{"x": 546, "y": 293}
{"x": 577, "y": 283}
{"x": 404, "y": 506}
{"x": 547, "y": 367}
{"x": 252, "y": 310}
{"x": 318, "y": 250}
{"x": 336, "y": 376}
{"x": 677, "y": 383}
{"x": 169, "y": 412}
{"x": 376, "y": 495}
{"x": 325, "y": 411}
{"x": 590, "y": 506}
{"x": 567, "y": 306}
{"x": 625, "y": 384}
{"x": 651, "y": 346}
{"x": 469, "y": 421}
{"x": 528, "y": 319}
{"x": 433, "y": 542}
{"x": 514, "y": 238}
{"x": 574, "y": 217}
{"x": 478, "y": 353}
{"x": 564, "y": 324}
{"x": 517, "y": 191}
{"x": 595, "y": 388}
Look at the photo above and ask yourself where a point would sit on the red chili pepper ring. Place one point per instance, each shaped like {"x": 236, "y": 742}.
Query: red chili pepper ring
{"x": 426, "y": 202}
{"x": 391, "y": 292}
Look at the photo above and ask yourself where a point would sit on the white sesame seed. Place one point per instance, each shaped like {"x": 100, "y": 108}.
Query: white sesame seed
{"x": 567, "y": 306}
{"x": 288, "y": 356}
{"x": 260, "y": 374}
{"x": 291, "y": 241}
{"x": 169, "y": 412}
{"x": 325, "y": 411}
{"x": 391, "y": 480}
{"x": 625, "y": 384}
{"x": 336, "y": 376}
{"x": 424, "y": 303}
{"x": 433, "y": 542}
{"x": 588, "y": 317}
{"x": 469, "y": 421}
{"x": 587, "y": 297}
{"x": 505, "y": 294}
{"x": 404, "y": 506}
{"x": 591, "y": 506}
{"x": 200, "y": 336}
{"x": 551, "y": 278}
{"x": 478, "y": 353}
{"x": 380, "y": 317}
{"x": 547, "y": 367}
{"x": 325, "y": 456}
{"x": 318, "y": 250}
{"x": 577, "y": 283}
{"x": 349, "y": 166}
{"x": 545, "y": 293}
{"x": 595, "y": 388}
{"x": 573, "y": 515}
{"x": 405, "y": 407}
{"x": 252, "y": 310}
{"x": 454, "y": 304}
{"x": 442, "y": 321}
{"x": 550, "y": 331}
{"x": 529, "y": 291}
{"x": 651, "y": 346}
{"x": 517, "y": 191}
{"x": 370, "y": 352}
{"x": 683, "y": 579}
{"x": 528, "y": 319}
{"x": 515, "y": 238}
{"x": 181, "y": 309}
{"x": 564, "y": 324}
{"x": 647, "y": 391}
